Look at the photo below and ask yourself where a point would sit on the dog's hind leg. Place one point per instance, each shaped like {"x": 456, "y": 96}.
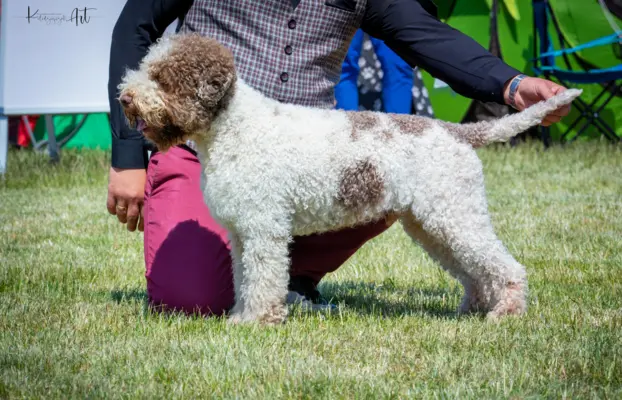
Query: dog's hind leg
{"x": 452, "y": 210}
{"x": 443, "y": 255}
{"x": 261, "y": 278}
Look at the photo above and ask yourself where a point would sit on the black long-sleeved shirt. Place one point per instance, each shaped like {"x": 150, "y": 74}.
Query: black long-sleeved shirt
{"x": 406, "y": 26}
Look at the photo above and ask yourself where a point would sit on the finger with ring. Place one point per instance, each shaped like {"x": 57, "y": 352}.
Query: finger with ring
{"x": 122, "y": 214}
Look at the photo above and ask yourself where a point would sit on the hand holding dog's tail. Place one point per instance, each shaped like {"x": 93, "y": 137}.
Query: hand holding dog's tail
{"x": 503, "y": 129}
{"x": 509, "y": 126}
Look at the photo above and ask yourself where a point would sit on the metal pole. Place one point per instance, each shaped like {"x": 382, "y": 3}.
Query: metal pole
{"x": 52, "y": 145}
{"x": 26, "y": 123}
{"x": 4, "y": 142}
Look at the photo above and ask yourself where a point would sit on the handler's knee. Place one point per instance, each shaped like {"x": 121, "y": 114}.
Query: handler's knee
{"x": 187, "y": 259}
{"x": 316, "y": 255}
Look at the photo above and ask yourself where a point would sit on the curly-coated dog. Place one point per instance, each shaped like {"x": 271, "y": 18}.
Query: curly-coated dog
{"x": 274, "y": 171}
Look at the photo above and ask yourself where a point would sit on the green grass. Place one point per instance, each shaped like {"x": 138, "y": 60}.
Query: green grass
{"x": 73, "y": 322}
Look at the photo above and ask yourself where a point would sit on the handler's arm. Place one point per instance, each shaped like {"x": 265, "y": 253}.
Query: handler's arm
{"x": 422, "y": 40}
{"x": 140, "y": 24}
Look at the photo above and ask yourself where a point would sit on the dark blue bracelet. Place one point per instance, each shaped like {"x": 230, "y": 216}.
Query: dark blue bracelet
{"x": 514, "y": 87}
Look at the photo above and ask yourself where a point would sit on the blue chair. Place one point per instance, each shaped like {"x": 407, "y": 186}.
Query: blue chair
{"x": 545, "y": 55}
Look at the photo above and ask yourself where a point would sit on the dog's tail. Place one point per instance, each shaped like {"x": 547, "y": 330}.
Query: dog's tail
{"x": 503, "y": 129}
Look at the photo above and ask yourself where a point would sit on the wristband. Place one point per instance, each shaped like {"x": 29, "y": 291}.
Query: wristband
{"x": 514, "y": 87}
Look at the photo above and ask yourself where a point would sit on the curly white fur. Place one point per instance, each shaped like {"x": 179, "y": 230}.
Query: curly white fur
{"x": 274, "y": 171}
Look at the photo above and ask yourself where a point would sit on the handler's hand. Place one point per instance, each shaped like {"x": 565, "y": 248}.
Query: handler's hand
{"x": 533, "y": 90}
{"x": 126, "y": 192}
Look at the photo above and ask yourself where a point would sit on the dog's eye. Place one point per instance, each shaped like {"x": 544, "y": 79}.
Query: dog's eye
{"x": 157, "y": 76}
{"x": 164, "y": 85}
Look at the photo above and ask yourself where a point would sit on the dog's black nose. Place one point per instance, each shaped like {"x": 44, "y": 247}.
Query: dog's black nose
{"x": 126, "y": 100}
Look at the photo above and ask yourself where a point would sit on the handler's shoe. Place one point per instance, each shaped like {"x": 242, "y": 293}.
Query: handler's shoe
{"x": 302, "y": 292}
{"x": 296, "y": 299}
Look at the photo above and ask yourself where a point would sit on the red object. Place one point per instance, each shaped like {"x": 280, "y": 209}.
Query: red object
{"x": 23, "y": 139}
{"x": 188, "y": 266}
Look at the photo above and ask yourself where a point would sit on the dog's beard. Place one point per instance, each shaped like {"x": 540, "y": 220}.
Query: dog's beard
{"x": 163, "y": 137}
{"x": 159, "y": 131}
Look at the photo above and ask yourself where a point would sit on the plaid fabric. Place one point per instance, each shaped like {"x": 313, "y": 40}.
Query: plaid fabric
{"x": 293, "y": 55}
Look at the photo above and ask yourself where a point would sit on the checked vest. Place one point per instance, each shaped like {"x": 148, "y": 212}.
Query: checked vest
{"x": 293, "y": 54}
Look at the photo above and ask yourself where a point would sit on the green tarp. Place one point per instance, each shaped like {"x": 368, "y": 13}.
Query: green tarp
{"x": 95, "y": 133}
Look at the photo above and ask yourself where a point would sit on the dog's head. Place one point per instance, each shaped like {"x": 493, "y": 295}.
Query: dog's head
{"x": 178, "y": 89}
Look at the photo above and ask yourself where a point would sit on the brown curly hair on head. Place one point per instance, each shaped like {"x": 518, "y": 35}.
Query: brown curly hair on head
{"x": 196, "y": 78}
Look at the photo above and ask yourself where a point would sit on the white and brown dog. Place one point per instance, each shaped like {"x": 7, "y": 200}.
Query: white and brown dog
{"x": 274, "y": 171}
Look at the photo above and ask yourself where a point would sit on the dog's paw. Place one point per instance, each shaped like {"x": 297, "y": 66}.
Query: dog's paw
{"x": 513, "y": 302}
{"x": 270, "y": 316}
{"x": 235, "y": 319}
{"x": 275, "y": 314}
{"x": 273, "y": 318}
{"x": 507, "y": 309}
{"x": 268, "y": 319}
{"x": 242, "y": 319}
{"x": 470, "y": 305}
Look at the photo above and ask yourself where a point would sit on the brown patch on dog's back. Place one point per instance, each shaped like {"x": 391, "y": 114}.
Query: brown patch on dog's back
{"x": 369, "y": 121}
{"x": 411, "y": 124}
{"x": 361, "y": 121}
{"x": 361, "y": 185}
{"x": 386, "y": 134}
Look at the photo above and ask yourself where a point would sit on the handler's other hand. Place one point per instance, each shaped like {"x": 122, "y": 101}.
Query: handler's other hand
{"x": 533, "y": 90}
{"x": 126, "y": 192}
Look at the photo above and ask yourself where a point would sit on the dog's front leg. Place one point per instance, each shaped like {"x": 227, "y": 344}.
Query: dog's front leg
{"x": 261, "y": 273}
{"x": 236, "y": 265}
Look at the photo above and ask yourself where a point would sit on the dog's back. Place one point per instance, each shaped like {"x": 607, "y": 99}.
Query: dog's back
{"x": 337, "y": 168}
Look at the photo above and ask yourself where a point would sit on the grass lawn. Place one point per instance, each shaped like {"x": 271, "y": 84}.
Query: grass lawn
{"x": 73, "y": 322}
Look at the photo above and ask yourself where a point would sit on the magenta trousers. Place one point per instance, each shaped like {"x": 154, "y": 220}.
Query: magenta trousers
{"x": 187, "y": 260}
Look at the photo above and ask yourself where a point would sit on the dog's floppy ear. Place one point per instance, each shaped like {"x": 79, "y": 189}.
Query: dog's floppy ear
{"x": 210, "y": 93}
